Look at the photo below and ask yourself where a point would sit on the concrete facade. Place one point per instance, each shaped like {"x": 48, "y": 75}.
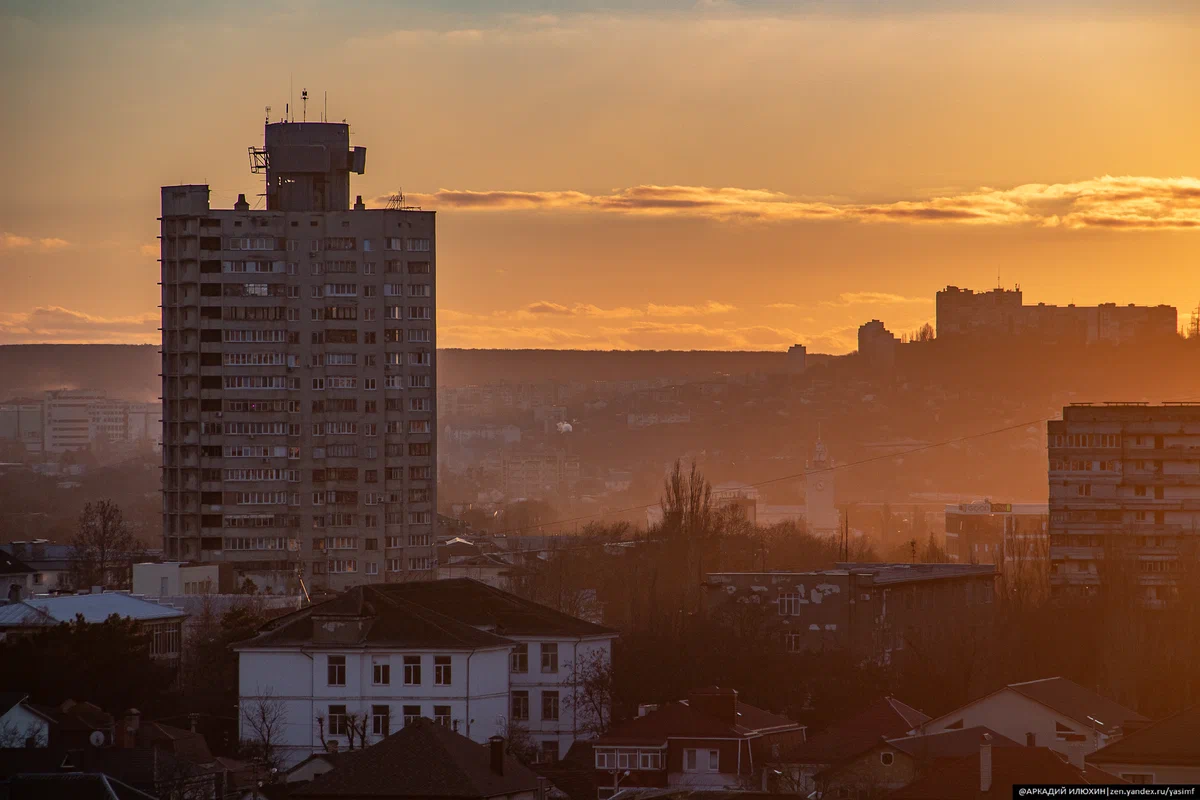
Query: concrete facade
{"x": 869, "y": 610}
{"x": 299, "y": 366}
{"x": 1001, "y": 312}
{"x": 1124, "y": 498}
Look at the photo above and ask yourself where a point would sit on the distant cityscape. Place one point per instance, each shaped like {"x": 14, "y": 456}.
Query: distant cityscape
{"x": 957, "y": 560}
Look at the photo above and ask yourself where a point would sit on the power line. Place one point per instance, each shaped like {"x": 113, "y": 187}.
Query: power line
{"x": 793, "y": 476}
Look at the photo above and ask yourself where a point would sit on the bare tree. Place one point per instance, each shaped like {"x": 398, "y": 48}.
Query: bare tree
{"x": 519, "y": 743}
{"x": 264, "y": 719}
{"x": 103, "y": 550}
{"x": 356, "y": 729}
{"x": 591, "y": 696}
{"x": 12, "y": 736}
{"x": 688, "y": 526}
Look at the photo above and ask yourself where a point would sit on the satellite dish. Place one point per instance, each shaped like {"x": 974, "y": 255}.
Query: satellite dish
{"x": 96, "y": 738}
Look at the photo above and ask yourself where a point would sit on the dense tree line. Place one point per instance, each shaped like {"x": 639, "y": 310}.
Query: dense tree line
{"x": 649, "y": 587}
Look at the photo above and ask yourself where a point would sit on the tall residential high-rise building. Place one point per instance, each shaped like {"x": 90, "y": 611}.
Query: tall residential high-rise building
{"x": 1124, "y": 498}
{"x": 298, "y": 374}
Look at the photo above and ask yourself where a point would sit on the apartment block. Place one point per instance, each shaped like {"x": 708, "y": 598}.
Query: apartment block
{"x": 868, "y": 610}
{"x": 1002, "y": 312}
{"x": 298, "y": 374}
{"x": 1124, "y": 489}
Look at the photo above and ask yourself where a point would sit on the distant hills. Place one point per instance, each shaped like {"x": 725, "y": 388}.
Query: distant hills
{"x": 131, "y": 371}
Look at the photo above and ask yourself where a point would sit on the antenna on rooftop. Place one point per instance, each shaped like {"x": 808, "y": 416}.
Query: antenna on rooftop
{"x": 268, "y": 120}
{"x": 325, "y": 115}
{"x": 304, "y": 100}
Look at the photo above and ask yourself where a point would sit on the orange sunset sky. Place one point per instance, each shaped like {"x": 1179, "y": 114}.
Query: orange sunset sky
{"x": 726, "y": 175}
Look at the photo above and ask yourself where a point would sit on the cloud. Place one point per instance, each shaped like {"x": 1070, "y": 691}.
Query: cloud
{"x": 782, "y": 305}
{"x": 544, "y": 307}
{"x": 57, "y": 324}
{"x": 11, "y": 241}
{"x": 1111, "y": 203}
{"x": 873, "y": 298}
{"x": 711, "y": 307}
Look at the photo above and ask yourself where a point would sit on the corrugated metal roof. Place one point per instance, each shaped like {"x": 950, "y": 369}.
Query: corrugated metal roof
{"x": 93, "y": 607}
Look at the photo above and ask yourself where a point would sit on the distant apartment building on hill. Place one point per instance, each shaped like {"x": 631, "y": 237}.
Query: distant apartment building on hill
{"x": 1124, "y": 498}
{"x": 1001, "y": 312}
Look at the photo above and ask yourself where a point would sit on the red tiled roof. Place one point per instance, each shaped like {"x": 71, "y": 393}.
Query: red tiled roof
{"x": 887, "y": 718}
{"x": 1010, "y": 765}
{"x": 680, "y": 720}
{"x": 1173, "y": 741}
{"x": 1069, "y": 698}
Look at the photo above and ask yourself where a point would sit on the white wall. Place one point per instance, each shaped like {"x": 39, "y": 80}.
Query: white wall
{"x": 299, "y": 681}
{"x": 1012, "y": 714}
{"x": 570, "y": 651}
{"x": 147, "y": 579}
{"x": 19, "y": 724}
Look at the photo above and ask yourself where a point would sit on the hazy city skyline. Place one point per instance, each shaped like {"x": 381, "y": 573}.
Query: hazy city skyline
{"x": 855, "y": 162}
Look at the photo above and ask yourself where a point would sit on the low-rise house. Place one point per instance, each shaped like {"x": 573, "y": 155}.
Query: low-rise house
{"x": 22, "y": 724}
{"x": 868, "y": 610}
{"x": 796, "y": 768}
{"x": 1167, "y": 751}
{"x": 1052, "y": 712}
{"x": 51, "y": 563}
{"x": 710, "y": 740}
{"x": 487, "y": 568}
{"x": 16, "y": 578}
{"x": 425, "y": 760}
{"x": 162, "y": 623}
{"x": 84, "y": 738}
{"x": 894, "y": 763}
{"x": 992, "y": 773}
{"x": 476, "y": 659}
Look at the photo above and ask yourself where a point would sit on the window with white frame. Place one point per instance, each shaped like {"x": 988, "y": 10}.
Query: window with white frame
{"x": 520, "y": 658}
{"x": 412, "y": 670}
{"x": 442, "y": 674}
{"x": 381, "y": 720}
{"x": 336, "y": 720}
{"x": 789, "y": 604}
{"x": 335, "y": 670}
{"x": 381, "y": 670}
{"x": 441, "y": 715}
{"x": 520, "y": 705}
{"x": 550, "y": 706}
{"x": 549, "y": 657}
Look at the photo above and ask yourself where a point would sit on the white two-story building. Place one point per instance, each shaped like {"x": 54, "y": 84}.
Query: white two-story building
{"x": 462, "y": 653}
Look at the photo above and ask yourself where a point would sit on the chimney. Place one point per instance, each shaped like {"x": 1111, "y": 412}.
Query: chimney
{"x": 646, "y": 708}
{"x": 715, "y": 702}
{"x": 543, "y": 787}
{"x": 496, "y": 750}
{"x": 97, "y": 590}
{"x": 133, "y": 721}
{"x": 358, "y": 204}
{"x": 1075, "y": 753}
{"x": 1031, "y": 740}
{"x": 985, "y": 764}
{"x": 241, "y": 204}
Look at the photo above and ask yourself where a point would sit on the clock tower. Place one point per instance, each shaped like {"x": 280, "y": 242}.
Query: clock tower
{"x": 821, "y": 512}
